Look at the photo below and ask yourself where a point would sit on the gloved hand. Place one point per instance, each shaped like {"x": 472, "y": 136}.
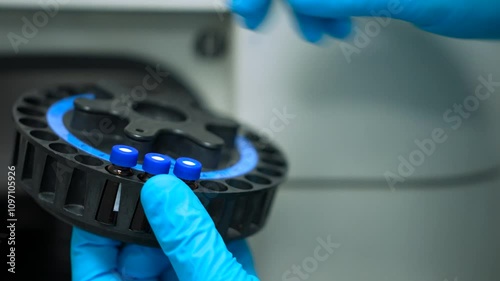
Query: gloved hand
{"x": 191, "y": 247}
{"x": 454, "y": 18}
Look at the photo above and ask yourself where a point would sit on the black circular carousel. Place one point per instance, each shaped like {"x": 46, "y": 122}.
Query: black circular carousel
{"x": 65, "y": 136}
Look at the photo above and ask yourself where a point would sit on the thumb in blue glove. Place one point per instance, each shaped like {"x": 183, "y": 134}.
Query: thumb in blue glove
{"x": 454, "y": 18}
{"x": 191, "y": 247}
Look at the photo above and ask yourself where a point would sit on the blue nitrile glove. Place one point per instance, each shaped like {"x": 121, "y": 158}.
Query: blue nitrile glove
{"x": 192, "y": 249}
{"x": 454, "y": 18}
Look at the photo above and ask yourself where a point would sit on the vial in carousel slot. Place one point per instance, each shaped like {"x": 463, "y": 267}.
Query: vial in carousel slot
{"x": 188, "y": 170}
{"x": 122, "y": 159}
{"x": 154, "y": 164}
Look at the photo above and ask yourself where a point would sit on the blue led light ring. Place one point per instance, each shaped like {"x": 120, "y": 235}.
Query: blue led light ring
{"x": 248, "y": 155}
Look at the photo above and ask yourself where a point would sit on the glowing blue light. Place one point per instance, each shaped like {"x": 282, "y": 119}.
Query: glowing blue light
{"x": 248, "y": 155}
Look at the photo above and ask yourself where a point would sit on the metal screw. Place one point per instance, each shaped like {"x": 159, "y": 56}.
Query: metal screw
{"x": 211, "y": 44}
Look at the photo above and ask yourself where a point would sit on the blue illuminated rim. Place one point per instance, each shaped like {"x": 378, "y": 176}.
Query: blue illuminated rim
{"x": 248, "y": 155}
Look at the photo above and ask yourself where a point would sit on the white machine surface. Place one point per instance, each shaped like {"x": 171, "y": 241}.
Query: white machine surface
{"x": 121, "y": 5}
{"x": 347, "y": 123}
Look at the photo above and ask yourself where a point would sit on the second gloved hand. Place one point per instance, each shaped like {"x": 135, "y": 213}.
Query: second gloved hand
{"x": 454, "y": 18}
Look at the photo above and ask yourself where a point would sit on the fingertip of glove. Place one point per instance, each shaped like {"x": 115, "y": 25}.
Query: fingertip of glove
{"x": 246, "y": 7}
{"x": 313, "y": 37}
{"x": 253, "y": 22}
{"x": 238, "y": 7}
{"x": 311, "y": 28}
{"x": 160, "y": 183}
{"x": 162, "y": 189}
{"x": 339, "y": 28}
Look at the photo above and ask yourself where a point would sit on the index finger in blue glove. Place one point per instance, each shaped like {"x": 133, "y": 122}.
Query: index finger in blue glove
{"x": 238, "y": 248}
{"x": 243, "y": 255}
{"x": 186, "y": 232}
{"x": 93, "y": 257}
{"x": 137, "y": 262}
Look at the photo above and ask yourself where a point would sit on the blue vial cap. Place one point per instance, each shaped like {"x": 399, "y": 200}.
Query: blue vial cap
{"x": 156, "y": 164}
{"x": 187, "y": 168}
{"x": 124, "y": 156}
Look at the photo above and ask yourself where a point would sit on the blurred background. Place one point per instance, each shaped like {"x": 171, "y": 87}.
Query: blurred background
{"x": 347, "y": 122}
